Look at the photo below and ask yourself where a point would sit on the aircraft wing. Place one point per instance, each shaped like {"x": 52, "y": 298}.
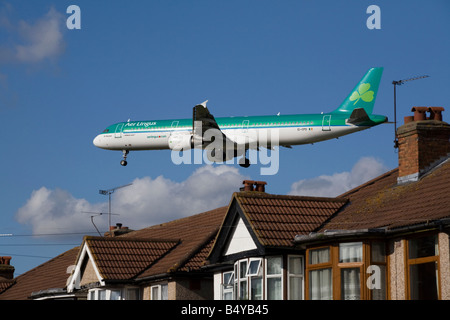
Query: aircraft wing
{"x": 205, "y": 127}
{"x": 203, "y": 121}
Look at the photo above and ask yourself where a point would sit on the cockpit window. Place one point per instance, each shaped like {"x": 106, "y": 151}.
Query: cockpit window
{"x": 106, "y": 131}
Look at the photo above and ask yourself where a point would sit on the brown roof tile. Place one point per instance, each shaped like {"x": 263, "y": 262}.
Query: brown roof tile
{"x": 383, "y": 203}
{"x": 123, "y": 259}
{"x": 51, "y": 274}
{"x": 194, "y": 234}
{"x": 277, "y": 219}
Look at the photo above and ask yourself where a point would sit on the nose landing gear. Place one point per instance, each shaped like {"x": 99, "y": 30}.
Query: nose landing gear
{"x": 124, "y": 161}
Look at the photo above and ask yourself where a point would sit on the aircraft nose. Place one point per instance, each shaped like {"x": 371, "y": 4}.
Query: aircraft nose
{"x": 97, "y": 141}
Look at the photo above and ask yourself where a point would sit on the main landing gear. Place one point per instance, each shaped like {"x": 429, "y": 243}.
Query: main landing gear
{"x": 244, "y": 161}
{"x": 124, "y": 161}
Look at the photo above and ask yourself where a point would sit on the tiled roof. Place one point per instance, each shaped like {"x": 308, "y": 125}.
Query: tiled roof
{"x": 383, "y": 203}
{"x": 123, "y": 259}
{"x": 277, "y": 219}
{"x": 194, "y": 234}
{"x": 5, "y": 284}
{"x": 51, "y": 274}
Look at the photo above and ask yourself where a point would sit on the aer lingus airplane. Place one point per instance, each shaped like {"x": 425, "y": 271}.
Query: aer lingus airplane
{"x": 233, "y": 136}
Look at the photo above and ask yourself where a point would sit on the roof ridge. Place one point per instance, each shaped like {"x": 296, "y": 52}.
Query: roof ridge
{"x": 131, "y": 239}
{"x": 256, "y": 194}
{"x": 175, "y": 221}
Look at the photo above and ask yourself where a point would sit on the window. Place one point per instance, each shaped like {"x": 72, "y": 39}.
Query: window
{"x": 159, "y": 292}
{"x": 255, "y": 275}
{"x": 350, "y": 277}
{"x": 320, "y": 279}
{"x": 341, "y": 271}
{"x": 423, "y": 267}
{"x": 295, "y": 277}
{"x": 243, "y": 280}
{"x": 273, "y": 278}
{"x": 227, "y": 285}
{"x": 114, "y": 294}
{"x": 262, "y": 278}
{"x": 378, "y": 259}
{"x": 132, "y": 294}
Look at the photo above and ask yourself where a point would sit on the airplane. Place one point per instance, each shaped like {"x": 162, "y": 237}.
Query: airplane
{"x": 234, "y": 136}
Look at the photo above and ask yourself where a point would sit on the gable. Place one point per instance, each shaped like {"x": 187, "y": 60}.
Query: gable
{"x": 105, "y": 259}
{"x": 240, "y": 239}
{"x": 257, "y": 221}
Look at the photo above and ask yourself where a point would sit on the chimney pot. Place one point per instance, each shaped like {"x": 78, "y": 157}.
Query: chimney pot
{"x": 248, "y": 185}
{"x": 436, "y": 113}
{"x": 6, "y": 270}
{"x": 409, "y": 119}
{"x": 5, "y": 260}
{"x": 420, "y": 113}
{"x": 260, "y": 186}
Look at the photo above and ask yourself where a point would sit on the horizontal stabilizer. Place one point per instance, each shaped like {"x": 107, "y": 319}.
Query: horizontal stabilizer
{"x": 358, "y": 116}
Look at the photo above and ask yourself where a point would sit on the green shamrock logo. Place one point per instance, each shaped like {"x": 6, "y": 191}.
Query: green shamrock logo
{"x": 362, "y": 93}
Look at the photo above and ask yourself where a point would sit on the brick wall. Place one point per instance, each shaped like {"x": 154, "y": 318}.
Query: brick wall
{"x": 421, "y": 145}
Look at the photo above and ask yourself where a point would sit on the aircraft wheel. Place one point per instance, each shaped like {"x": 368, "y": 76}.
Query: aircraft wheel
{"x": 244, "y": 162}
{"x": 123, "y": 163}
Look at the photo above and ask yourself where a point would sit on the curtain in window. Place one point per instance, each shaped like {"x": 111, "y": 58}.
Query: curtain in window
{"x": 350, "y": 252}
{"x": 320, "y": 284}
{"x": 274, "y": 288}
{"x": 164, "y": 292}
{"x": 274, "y": 267}
{"x": 295, "y": 269}
{"x": 256, "y": 288}
{"x": 350, "y": 284}
{"x": 319, "y": 256}
{"x": 295, "y": 288}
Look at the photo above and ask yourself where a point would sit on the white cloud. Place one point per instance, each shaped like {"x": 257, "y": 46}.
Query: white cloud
{"x": 147, "y": 202}
{"x": 364, "y": 170}
{"x": 33, "y": 42}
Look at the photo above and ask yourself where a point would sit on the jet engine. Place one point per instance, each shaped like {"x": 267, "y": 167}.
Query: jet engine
{"x": 180, "y": 141}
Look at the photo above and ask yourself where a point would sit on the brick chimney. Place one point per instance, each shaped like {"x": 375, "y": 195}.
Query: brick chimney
{"x": 424, "y": 142}
{"x": 250, "y": 185}
{"x": 117, "y": 230}
{"x": 6, "y": 270}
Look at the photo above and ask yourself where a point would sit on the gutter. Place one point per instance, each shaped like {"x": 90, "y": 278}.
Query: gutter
{"x": 328, "y": 235}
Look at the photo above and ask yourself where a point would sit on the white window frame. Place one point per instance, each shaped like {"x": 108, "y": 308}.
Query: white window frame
{"x": 96, "y": 293}
{"x": 257, "y": 273}
{"x": 228, "y": 287}
{"x": 159, "y": 292}
{"x": 300, "y": 275}
{"x": 256, "y": 269}
{"x": 273, "y": 276}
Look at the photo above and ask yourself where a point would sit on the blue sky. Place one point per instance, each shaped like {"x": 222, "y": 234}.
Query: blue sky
{"x": 157, "y": 59}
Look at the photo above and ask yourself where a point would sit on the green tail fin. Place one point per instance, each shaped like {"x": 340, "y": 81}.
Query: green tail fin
{"x": 364, "y": 93}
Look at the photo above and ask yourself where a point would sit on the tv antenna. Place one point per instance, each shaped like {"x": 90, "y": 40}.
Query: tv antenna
{"x": 96, "y": 215}
{"x": 109, "y": 192}
{"x": 399, "y": 83}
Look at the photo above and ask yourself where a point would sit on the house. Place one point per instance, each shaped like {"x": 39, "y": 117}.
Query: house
{"x": 6, "y": 273}
{"x": 46, "y": 281}
{"x": 386, "y": 239}
{"x": 254, "y": 250}
{"x": 155, "y": 263}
